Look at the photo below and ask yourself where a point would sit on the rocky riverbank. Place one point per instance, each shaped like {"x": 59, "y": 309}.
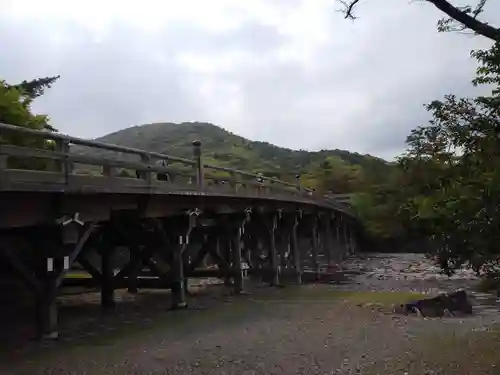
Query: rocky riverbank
{"x": 341, "y": 328}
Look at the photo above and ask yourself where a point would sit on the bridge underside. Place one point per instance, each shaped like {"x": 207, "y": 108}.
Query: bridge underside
{"x": 148, "y": 241}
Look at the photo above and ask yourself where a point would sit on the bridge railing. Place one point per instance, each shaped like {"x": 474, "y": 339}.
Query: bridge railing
{"x": 41, "y": 157}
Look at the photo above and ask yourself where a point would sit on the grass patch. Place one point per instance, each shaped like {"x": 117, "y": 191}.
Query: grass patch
{"x": 324, "y": 293}
{"x": 382, "y": 298}
{"x": 78, "y": 275}
{"x": 489, "y": 284}
{"x": 471, "y": 353}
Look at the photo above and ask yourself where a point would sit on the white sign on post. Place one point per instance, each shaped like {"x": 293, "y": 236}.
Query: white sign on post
{"x": 66, "y": 263}
{"x": 50, "y": 264}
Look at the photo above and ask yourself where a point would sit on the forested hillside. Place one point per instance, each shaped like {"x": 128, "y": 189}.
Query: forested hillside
{"x": 337, "y": 170}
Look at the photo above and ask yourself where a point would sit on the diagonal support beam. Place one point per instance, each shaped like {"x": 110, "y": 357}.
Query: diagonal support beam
{"x": 12, "y": 256}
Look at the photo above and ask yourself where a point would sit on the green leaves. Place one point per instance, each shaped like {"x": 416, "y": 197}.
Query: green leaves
{"x": 36, "y": 87}
{"x": 445, "y": 189}
{"x": 15, "y": 109}
{"x": 451, "y": 175}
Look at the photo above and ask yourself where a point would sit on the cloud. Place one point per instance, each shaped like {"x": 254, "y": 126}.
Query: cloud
{"x": 290, "y": 72}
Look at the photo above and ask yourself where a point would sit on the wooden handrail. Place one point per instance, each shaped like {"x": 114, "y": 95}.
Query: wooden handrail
{"x": 93, "y": 144}
{"x": 64, "y": 159}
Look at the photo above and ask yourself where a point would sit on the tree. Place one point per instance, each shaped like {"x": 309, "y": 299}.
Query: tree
{"x": 459, "y": 17}
{"x": 30, "y": 90}
{"x": 15, "y": 109}
{"x": 35, "y": 87}
{"x": 444, "y": 192}
{"x": 450, "y": 191}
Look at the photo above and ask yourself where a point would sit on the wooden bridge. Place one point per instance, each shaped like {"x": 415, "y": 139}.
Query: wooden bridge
{"x": 154, "y": 226}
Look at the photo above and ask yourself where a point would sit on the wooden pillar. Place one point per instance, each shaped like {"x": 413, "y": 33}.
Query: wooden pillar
{"x": 46, "y": 308}
{"x": 315, "y": 264}
{"x": 236, "y": 266}
{"x": 224, "y": 250}
{"x": 284, "y": 248}
{"x": 338, "y": 241}
{"x": 346, "y": 239}
{"x": 107, "y": 275}
{"x": 135, "y": 267}
{"x": 273, "y": 256}
{"x": 178, "y": 286}
{"x": 328, "y": 241}
{"x": 296, "y": 252}
{"x": 198, "y": 166}
{"x": 352, "y": 236}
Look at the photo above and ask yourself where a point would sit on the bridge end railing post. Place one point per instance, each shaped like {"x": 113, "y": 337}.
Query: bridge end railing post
{"x": 146, "y": 175}
{"x": 199, "y": 164}
{"x": 298, "y": 187}
{"x": 65, "y": 166}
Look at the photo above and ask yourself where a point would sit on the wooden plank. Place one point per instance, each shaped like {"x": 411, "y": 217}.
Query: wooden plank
{"x": 92, "y": 144}
{"x": 110, "y": 185}
{"x": 115, "y": 163}
{"x": 20, "y": 210}
{"x": 28, "y": 152}
{"x": 29, "y": 176}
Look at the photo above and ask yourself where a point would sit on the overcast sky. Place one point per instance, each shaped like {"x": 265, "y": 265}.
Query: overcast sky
{"x": 290, "y": 72}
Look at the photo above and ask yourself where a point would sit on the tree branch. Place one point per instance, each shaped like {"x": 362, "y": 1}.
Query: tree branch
{"x": 349, "y": 8}
{"x": 467, "y": 20}
{"x": 466, "y": 16}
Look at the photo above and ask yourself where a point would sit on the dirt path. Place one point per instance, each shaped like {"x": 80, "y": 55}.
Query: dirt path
{"x": 314, "y": 329}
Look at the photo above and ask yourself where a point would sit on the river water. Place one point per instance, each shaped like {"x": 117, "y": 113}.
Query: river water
{"x": 412, "y": 273}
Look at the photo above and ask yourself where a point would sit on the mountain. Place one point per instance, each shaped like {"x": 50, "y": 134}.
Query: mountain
{"x": 224, "y": 148}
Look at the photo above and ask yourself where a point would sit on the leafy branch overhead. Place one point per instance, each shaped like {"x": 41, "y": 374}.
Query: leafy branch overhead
{"x": 459, "y": 18}
{"x": 15, "y": 109}
{"x": 35, "y": 87}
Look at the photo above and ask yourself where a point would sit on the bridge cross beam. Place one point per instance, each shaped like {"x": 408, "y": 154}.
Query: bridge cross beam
{"x": 127, "y": 229}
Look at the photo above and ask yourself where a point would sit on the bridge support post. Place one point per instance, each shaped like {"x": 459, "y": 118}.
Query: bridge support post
{"x": 106, "y": 249}
{"x": 352, "y": 239}
{"x": 337, "y": 241}
{"x": 314, "y": 243}
{"x": 273, "y": 256}
{"x": 237, "y": 249}
{"x": 224, "y": 250}
{"x": 199, "y": 164}
{"x": 296, "y": 251}
{"x": 284, "y": 248}
{"x": 237, "y": 270}
{"x": 178, "y": 291}
{"x": 39, "y": 273}
{"x": 135, "y": 265}
{"x": 346, "y": 237}
{"x": 251, "y": 248}
{"x": 328, "y": 247}
{"x": 46, "y": 308}
{"x": 179, "y": 286}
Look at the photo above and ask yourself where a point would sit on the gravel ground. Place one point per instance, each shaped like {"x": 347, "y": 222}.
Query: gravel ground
{"x": 314, "y": 329}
